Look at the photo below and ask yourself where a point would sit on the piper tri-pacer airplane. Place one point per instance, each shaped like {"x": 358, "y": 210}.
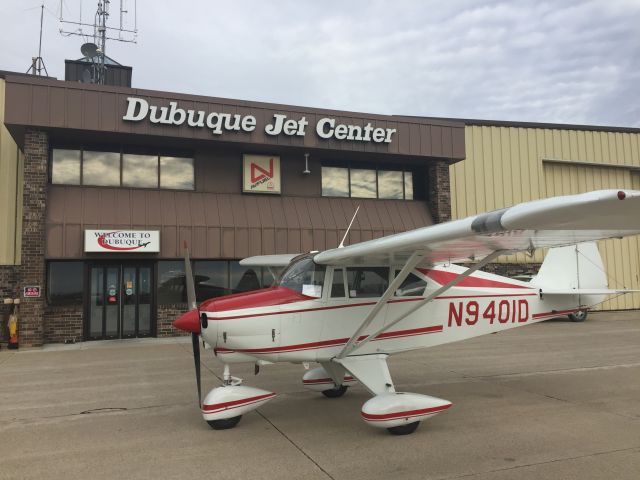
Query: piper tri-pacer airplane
{"x": 349, "y": 308}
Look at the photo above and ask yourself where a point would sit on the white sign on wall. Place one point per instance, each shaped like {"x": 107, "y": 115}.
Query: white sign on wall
{"x": 122, "y": 241}
{"x": 139, "y": 109}
{"x": 261, "y": 174}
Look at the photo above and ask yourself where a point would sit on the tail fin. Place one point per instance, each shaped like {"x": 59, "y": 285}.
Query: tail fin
{"x": 575, "y": 267}
{"x": 574, "y": 275}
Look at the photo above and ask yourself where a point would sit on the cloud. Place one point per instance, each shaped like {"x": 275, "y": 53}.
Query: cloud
{"x": 565, "y": 62}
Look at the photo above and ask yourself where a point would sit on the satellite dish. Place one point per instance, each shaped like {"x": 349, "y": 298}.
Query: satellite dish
{"x": 89, "y": 49}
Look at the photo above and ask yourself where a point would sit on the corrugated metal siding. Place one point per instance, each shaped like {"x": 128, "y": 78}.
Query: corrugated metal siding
{"x": 504, "y": 166}
{"x": 46, "y": 103}
{"x": 10, "y": 192}
{"x": 222, "y": 225}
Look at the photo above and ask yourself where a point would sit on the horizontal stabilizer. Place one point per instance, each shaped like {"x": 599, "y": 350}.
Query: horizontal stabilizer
{"x": 281, "y": 260}
{"x": 586, "y": 291}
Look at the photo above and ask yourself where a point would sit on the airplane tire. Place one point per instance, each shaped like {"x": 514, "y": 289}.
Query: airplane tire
{"x": 404, "y": 429}
{"x": 225, "y": 423}
{"x": 335, "y": 392}
{"x": 579, "y": 316}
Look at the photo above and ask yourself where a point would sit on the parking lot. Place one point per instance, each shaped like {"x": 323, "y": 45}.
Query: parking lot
{"x": 552, "y": 400}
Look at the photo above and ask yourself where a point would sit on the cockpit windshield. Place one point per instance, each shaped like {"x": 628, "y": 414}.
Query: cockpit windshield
{"x": 305, "y": 277}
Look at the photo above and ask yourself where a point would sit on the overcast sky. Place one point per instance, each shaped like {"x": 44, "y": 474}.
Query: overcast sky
{"x": 557, "y": 61}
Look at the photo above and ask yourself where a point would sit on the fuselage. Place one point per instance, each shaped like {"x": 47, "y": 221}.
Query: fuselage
{"x": 281, "y": 324}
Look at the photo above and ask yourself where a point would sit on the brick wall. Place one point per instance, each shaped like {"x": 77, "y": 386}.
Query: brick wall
{"x": 439, "y": 191}
{"x": 63, "y": 324}
{"x": 166, "y": 315}
{"x": 32, "y": 270}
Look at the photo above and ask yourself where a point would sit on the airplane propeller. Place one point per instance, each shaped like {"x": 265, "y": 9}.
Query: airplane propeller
{"x": 193, "y": 308}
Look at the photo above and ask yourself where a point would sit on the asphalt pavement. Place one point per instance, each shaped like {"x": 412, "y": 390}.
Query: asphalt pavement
{"x": 555, "y": 400}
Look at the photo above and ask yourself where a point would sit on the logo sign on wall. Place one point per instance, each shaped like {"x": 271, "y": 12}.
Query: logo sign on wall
{"x": 261, "y": 174}
{"x": 122, "y": 241}
{"x": 31, "y": 292}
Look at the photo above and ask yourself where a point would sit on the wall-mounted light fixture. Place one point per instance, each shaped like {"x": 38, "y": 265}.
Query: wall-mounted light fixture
{"x": 306, "y": 165}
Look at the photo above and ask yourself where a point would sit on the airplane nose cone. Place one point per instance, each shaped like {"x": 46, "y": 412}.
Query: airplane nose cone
{"x": 188, "y": 322}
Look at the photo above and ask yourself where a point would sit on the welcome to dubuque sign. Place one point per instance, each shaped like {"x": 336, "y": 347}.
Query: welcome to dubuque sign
{"x": 139, "y": 109}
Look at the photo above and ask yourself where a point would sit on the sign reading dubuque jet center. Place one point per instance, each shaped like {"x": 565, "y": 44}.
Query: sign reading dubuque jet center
{"x": 138, "y": 109}
{"x": 122, "y": 241}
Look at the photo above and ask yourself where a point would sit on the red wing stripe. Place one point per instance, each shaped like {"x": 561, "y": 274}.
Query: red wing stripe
{"x": 235, "y": 403}
{"x": 334, "y": 307}
{"x": 409, "y": 413}
{"x": 341, "y": 341}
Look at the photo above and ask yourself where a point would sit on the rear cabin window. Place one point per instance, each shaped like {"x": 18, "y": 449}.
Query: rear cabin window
{"x": 367, "y": 282}
{"x": 412, "y": 286}
{"x": 337, "y": 286}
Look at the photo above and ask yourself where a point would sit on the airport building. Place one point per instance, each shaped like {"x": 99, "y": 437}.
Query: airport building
{"x": 101, "y": 185}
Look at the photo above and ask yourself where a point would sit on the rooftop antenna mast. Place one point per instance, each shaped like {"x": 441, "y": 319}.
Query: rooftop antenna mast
{"x": 96, "y": 51}
{"x": 37, "y": 63}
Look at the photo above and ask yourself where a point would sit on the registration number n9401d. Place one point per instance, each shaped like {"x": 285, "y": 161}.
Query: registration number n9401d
{"x": 496, "y": 311}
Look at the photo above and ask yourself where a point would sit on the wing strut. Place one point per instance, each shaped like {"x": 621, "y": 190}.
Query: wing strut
{"x": 351, "y": 344}
{"x": 414, "y": 259}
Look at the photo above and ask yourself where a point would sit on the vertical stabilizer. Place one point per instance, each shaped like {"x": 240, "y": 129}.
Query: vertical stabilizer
{"x": 573, "y": 267}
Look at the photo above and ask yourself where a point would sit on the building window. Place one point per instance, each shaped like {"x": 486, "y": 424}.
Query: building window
{"x": 65, "y": 283}
{"x": 335, "y": 182}
{"x": 363, "y": 183}
{"x": 139, "y": 171}
{"x": 101, "y": 169}
{"x": 390, "y": 185}
{"x": 115, "y": 169}
{"x": 171, "y": 282}
{"x": 367, "y": 183}
{"x": 65, "y": 167}
{"x": 176, "y": 173}
{"x": 212, "y": 278}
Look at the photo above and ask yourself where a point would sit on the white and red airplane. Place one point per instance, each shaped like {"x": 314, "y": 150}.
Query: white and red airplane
{"x": 349, "y": 308}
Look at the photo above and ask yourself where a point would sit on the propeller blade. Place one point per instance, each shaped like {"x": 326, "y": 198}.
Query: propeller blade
{"x": 195, "y": 342}
{"x": 191, "y": 289}
{"x": 191, "y": 301}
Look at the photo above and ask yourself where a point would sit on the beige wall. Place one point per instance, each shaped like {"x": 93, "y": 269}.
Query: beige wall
{"x": 505, "y": 166}
{"x": 10, "y": 192}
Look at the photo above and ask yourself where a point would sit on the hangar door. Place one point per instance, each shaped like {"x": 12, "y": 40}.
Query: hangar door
{"x": 621, "y": 257}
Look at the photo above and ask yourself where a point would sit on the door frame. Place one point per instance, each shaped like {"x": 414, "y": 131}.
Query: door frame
{"x": 121, "y": 264}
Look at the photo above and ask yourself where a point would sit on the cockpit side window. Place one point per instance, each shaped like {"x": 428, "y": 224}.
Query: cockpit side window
{"x": 367, "y": 282}
{"x": 412, "y": 286}
{"x": 305, "y": 277}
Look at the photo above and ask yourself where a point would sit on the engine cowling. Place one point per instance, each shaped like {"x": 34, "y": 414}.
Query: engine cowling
{"x": 390, "y": 410}
{"x": 232, "y": 401}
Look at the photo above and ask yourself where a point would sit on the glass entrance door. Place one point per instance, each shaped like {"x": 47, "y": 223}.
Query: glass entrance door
{"x": 120, "y": 301}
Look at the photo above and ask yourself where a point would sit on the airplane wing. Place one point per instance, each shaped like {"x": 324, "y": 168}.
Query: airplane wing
{"x": 527, "y": 226}
{"x": 279, "y": 261}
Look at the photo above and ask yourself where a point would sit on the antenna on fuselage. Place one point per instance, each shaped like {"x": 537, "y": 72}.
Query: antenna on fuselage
{"x": 349, "y": 228}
